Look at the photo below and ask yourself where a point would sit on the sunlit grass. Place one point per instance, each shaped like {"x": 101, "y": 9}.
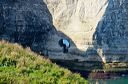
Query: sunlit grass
{"x": 21, "y": 66}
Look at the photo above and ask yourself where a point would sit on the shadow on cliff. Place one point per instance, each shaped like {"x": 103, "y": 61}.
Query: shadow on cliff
{"x": 28, "y": 23}
{"x": 102, "y": 30}
{"x": 110, "y": 29}
{"x": 33, "y": 27}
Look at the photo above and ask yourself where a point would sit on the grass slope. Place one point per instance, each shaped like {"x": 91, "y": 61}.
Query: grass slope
{"x": 21, "y": 66}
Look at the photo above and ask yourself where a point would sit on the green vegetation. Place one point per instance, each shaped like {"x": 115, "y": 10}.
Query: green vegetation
{"x": 21, "y": 66}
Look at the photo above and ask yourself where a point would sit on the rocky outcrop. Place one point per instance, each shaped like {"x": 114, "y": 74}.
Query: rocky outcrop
{"x": 96, "y": 30}
{"x": 27, "y": 22}
{"x": 94, "y": 26}
{"x": 111, "y": 34}
{"x": 77, "y": 19}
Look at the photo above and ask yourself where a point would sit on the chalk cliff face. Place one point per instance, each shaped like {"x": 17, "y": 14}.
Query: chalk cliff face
{"x": 96, "y": 29}
{"x": 97, "y": 24}
{"x": 112, "y": 33}
{"x": 77, "y": 18}
{"x": 27, "y": 22}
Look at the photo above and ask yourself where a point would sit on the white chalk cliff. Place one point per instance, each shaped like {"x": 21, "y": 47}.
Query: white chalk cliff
{"x": 97, "y": 24}
{"x": 96, "y": 29}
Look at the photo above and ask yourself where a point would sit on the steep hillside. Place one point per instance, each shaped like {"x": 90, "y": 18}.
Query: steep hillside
{"x": 19, "y": 66}
{"x": 96, "y": 30}
{"x": 29, "y": 23}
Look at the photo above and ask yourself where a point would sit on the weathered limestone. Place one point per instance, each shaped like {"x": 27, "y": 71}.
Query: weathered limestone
{"x": 112, "y": 33}
{"x": 98, "y": 24}
{"x": 77, "y": 18}
{"x": 27, "y": 22}
{"x": 96, "y": 29}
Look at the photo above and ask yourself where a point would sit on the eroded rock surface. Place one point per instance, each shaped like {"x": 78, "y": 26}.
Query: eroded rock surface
{"x": 94, "y": 25}
{"x": 27, "y": 22}
{"x": 96, "y": 29}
